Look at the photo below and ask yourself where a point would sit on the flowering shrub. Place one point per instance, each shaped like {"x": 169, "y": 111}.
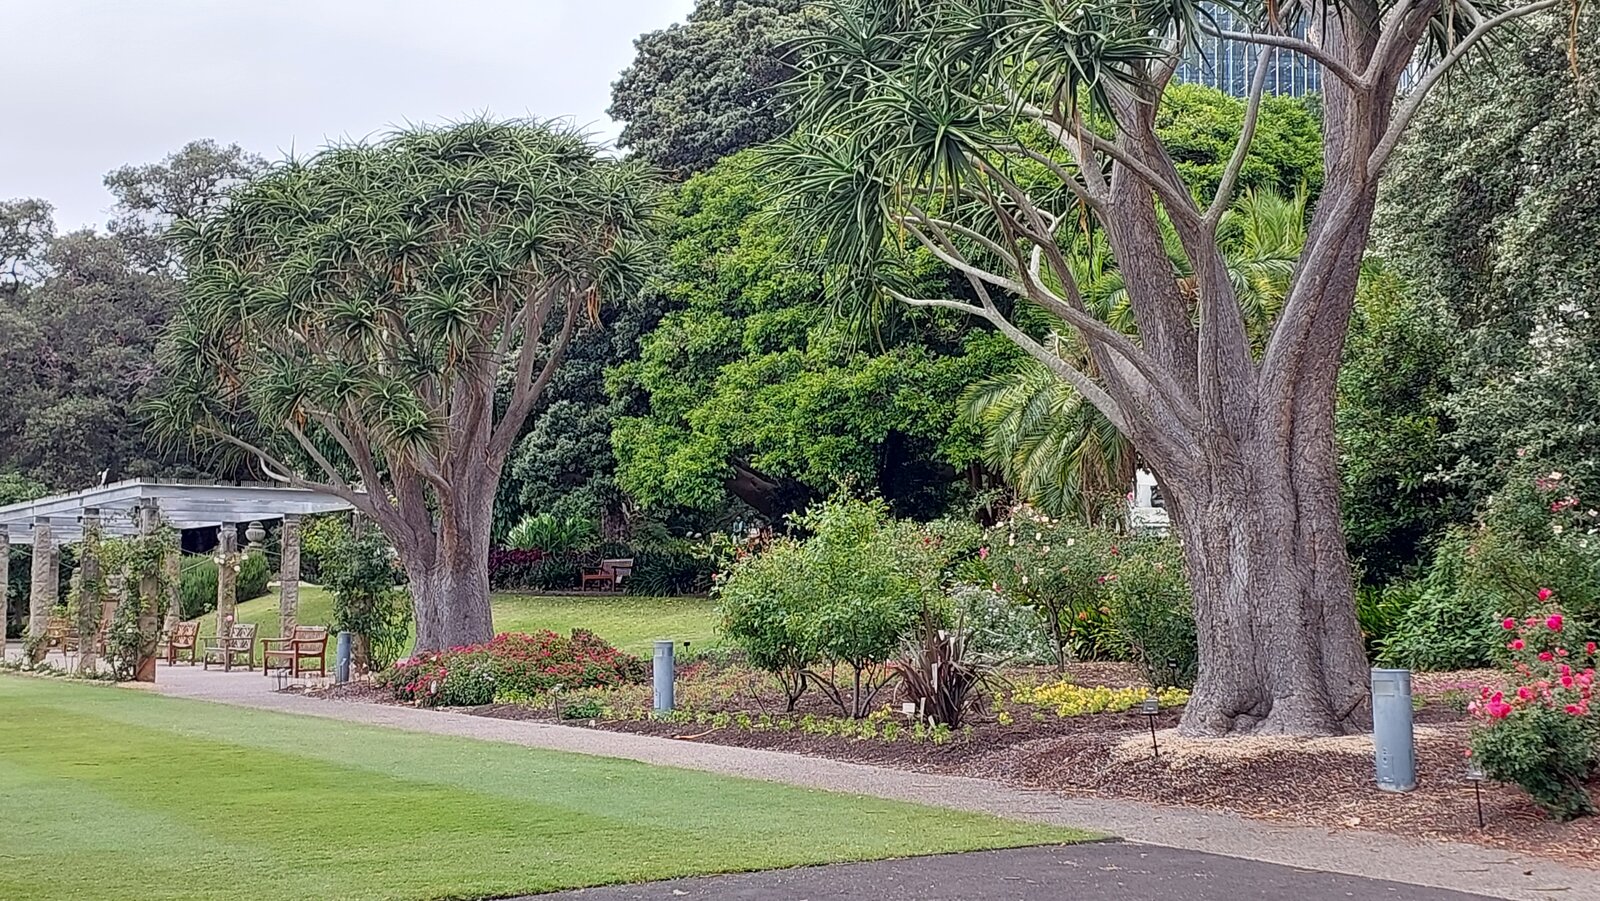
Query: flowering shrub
{"x": 1067, "y": 699}
{"x": 1539, "y": 732}
{"x": 513, "y": 663}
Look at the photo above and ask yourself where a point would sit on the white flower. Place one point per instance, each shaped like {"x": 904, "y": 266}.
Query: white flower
{"x": 1071, "y": 542}
{"x": 1038, "y": 536}
{"x": 1024, "y": 579}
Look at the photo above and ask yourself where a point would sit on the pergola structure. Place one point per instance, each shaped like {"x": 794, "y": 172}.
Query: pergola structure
{"x": 128, "y": 507}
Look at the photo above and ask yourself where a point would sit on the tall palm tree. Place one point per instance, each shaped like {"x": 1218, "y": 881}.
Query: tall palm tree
{"x": 1056, "y": 450}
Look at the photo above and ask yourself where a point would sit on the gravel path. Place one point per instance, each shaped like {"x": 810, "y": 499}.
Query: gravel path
{"x": 1447, "y": 865}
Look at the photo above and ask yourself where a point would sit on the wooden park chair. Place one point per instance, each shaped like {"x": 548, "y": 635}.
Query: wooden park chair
{"x": 184, "y": 637}
{"x": 239, "y": 646}
{"x": 609, "y": 574}
{"x": 304, "y": 643}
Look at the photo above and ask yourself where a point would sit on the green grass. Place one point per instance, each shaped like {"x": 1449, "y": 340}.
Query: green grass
{"x": 115, "y": 794}
{"x": 628, "y": 622}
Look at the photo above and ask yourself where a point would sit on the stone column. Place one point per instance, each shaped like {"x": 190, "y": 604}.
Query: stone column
{"x": 149, "y": 601}
{"x": 227, "y": 578}
{"x": 5, "y": 586}
{"x": 289, "y": 575}
{"x": 90, "y": 588}
{"x": 45, "y": 576}
{"x": 172, "y": 572}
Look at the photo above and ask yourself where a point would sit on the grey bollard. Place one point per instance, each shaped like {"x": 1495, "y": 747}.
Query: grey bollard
{"x": 664, "y": 672}
{"x": 341, "y": 665}
{"x": 1391, "y": 730}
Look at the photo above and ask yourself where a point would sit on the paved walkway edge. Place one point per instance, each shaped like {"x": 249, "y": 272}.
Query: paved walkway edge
{"x": 1450, "y": 865}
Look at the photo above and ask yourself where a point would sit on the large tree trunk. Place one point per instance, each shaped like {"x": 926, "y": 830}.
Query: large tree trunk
{"x": 450, "y": 585}
{"x": 1279, "y": 643}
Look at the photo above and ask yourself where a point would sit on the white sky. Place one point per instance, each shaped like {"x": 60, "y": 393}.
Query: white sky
{"x": 89, "y": 86}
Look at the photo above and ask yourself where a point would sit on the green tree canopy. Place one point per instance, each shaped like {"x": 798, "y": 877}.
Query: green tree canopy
{"x": 747, "y": 387}
{"x": 707, "y": 88}
{"x": 379, "y": 320}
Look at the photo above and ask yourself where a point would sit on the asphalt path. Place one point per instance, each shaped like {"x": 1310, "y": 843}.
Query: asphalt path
{"x": 1095, "y": 871}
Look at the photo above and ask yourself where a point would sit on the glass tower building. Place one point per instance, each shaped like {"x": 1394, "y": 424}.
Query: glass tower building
{"x": 1230, "y": 65}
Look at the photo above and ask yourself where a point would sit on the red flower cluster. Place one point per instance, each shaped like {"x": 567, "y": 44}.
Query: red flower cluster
{"x": 521, "y": 662}
{"x": 1550, "y": 675}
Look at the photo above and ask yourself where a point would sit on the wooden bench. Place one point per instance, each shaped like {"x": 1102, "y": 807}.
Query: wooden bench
{"x": 609, "y": 574}
{"x": 60, "y": 633}
{"x": 304, "y": 643}
{"x": 240, "y": 644}
{"x": 184, "y": 637}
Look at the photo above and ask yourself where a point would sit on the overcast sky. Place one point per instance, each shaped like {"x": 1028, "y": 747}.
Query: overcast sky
{"x": 90, "y": 86}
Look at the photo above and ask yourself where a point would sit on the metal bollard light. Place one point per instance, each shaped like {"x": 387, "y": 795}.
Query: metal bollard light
{"x": 664, "y": 672}
{"x": 341, "y": 660}
{"x": 1392, "y": 735}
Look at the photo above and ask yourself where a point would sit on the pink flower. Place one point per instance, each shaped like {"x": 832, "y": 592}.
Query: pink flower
{"x": 983, "y": 553}
{"x": 1510, "y": 624}
{"x": 1589, "y": 648}
{"x": 1525, "y": 693}
{"x": 1574, "y": 709}
{"x": 1553, "y": 622}
{"x": 1546, "y": 656}
{"x": 1567, "y": 681}
{"x": 1544, "y": 594}
{"x": 1517, "y": 644}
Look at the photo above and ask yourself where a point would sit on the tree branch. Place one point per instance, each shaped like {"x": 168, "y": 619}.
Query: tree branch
{"x": 1298, "y": 45}
{"x": 526, "y": 394}
{"x": 1419, "y": 93}
{"x": 1241, "y": 150}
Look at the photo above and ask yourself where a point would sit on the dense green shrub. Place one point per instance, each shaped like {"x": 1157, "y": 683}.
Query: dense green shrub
{"x": 999, "y": 629}
{"x": 197, "y": 583}
{"x": 1150, "y": 614}
{"x": 681, "y": 567}
{"x": 369, "y": 597}
{"x": 846, "y": 597}
{"x": 1535, "y": 533}
{"x": 512, "y": 663}
{"x": 553, "y": 535}
{"x": 1054, "y": 567}
{"x": 763, "y": 609}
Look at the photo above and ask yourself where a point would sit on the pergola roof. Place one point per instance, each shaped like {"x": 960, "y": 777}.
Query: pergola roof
{"x": 181, "y": 505}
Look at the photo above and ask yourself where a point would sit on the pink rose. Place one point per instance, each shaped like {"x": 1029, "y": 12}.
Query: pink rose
{"x": 1517, "y": 644}
{"x": 1544, "y": 594}
{"x": 1566, "y": 682}
{"x": 1546, "y": 656}
{"x": 1510, "y": 624}
{"x": 1525, "y": 693}
{"x": 1589, "y": 648}
{"x": 1553, "y": 622}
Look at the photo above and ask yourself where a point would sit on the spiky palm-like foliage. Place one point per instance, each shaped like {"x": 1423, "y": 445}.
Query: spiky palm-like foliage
{"x": 378, "y": 320}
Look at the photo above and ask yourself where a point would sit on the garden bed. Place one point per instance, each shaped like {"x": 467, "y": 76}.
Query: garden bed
{"x": 1325, "y": 782}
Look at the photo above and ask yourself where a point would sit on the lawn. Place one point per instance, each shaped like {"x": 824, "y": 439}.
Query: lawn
{"x": 629, "y": 622}
{"x": 113, "y": 794}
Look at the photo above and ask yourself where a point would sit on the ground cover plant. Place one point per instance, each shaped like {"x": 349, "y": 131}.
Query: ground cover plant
{"x": 105, "y": 787}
